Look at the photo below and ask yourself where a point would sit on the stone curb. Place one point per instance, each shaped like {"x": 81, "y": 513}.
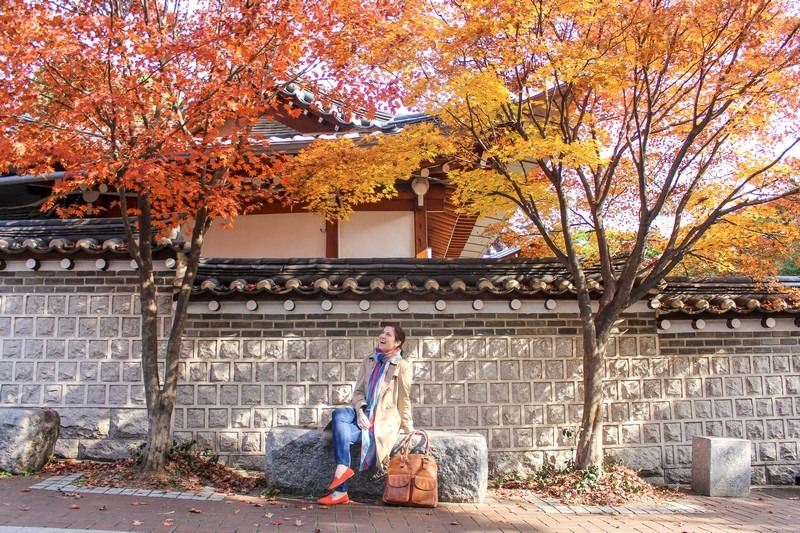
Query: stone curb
{"x": 65, "y": 484}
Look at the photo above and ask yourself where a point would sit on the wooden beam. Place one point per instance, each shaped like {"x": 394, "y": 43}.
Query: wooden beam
{"x": 405, "y": 200}
{"x": 421, "y": 231}
{"x": 331, "y": 239}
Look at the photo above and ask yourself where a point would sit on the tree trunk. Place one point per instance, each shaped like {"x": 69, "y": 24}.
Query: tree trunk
{"x": 159, "y": 405}
{"x": 160, "y": 401}
{"x": 160, "y": 395}
{"x": 590, "y": 442}
{"x": 158, "y": 437}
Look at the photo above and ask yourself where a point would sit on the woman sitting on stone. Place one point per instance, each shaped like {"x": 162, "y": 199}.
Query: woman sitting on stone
{"x": 381, "y": 407}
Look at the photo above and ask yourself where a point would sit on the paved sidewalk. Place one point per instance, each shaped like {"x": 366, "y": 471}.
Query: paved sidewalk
{"x": 50, "y": 505}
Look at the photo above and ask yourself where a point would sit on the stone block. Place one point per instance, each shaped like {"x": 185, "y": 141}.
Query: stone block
{"x": 27, "y": 438}
{"x": 85, "y": 423}
{"x": 678, "y": 475}
{"x": 107, "y": 450}
{"x": 128, "y": 424}
{"x": 298, "y": 460}
{"x": 522, "y": 464}
{"x": 781, "y": 474}
{"x": 644, "y": 459}
{"x": 720, "y": 466}
{"x": 67, "y": 448}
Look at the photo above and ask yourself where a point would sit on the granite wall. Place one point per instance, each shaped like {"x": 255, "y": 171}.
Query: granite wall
{"x": 69, "y": 341}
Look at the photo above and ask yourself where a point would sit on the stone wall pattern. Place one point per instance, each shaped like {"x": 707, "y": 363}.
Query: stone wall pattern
{"x": 69, "y": 341}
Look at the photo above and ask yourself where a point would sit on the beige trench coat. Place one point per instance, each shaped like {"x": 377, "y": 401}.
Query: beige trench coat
{"x": 393, "y": 410}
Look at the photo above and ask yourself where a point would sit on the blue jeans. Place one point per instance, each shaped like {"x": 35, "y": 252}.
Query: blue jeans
{"x": 345, "y": 433}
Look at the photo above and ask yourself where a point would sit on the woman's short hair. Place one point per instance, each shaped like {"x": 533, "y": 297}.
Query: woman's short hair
{"x": 399, "y": 334}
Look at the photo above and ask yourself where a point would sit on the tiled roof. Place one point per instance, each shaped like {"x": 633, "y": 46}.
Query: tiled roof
{"x": 93, "y": 235}
{"x": 732, "y": 295}
{"x": 273, "y": 128}
{"x": 470, "y": 278}
{"x": 459, "y": 279}
{"x": 338, "y": 114}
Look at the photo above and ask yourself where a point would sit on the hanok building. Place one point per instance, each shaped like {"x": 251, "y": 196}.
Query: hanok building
{"x": 281, "y": 318}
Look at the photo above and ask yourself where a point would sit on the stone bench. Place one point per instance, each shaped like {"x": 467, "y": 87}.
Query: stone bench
{"x": 299, "y": 461}
{"x": 720, "y": 466}
{"x": 27, "y": 438}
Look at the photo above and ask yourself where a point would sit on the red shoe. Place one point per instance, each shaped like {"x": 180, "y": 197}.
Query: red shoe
{"x": 330, "y": 500}
{"x": 339, "y": 480}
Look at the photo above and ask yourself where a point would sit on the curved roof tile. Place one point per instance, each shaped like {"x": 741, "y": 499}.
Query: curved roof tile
{"x": 336, "y": 113}
{"x": 734, "y": 295}
{"x": 97, "y": 236}
{"x": 465, "y": 278}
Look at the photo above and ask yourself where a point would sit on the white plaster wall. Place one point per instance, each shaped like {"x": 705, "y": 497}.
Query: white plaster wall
{"x": 366, "y": 234}
{"x": 377, "y": 234}
{"x": 277, "y": 235}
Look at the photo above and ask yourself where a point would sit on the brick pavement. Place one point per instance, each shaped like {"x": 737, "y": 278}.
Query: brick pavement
{"x": 36, "y": 505}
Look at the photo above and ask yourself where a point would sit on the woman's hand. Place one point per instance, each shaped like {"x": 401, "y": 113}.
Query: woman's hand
{"x": 363, "y": 420}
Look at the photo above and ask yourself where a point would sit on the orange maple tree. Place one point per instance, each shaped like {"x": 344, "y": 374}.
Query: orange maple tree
{"x": 154, "y": 102}
{"x": 633, "y": 137}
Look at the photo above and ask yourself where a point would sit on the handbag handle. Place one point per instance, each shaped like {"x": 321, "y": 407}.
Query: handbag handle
{"x": 407, "y": 441}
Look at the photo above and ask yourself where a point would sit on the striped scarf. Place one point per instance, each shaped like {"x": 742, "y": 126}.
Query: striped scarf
{"x": 381, "y": 363}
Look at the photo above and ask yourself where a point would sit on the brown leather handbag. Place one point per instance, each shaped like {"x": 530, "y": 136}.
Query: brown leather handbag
{"x": 412, "y": 478}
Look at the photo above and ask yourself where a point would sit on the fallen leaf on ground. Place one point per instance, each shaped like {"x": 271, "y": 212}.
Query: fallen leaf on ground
{"x": 298, "y": 523}
{"x": 101, "y": 508}
{"x": 137, "y": 522}
{"x": 24, "y": 508}
{"x": 74, "y": 506}
{"x": 186, "y": 470}
{"x": 193, "y": 510}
